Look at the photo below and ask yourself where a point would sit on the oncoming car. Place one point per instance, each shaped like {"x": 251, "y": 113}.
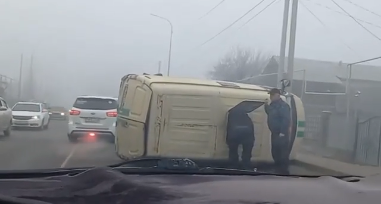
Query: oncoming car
{"x": 57, "y": 112}
{"x": 92, "y": 117}
{"x": 30, "y": 114}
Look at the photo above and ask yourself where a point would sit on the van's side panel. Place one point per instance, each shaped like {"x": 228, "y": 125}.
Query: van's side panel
{"x": 132, "y": 114}
{"x": 189, "y": 126}
{"x": 231, "y": 97}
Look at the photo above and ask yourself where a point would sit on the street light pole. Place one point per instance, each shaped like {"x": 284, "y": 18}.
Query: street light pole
{"x": 170, "y": 42}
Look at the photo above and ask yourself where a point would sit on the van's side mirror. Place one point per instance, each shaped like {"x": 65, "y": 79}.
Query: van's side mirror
{"x": 2, "y": 108}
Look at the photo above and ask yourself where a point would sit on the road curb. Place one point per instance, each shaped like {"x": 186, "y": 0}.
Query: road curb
{"x": 315, "y": 167}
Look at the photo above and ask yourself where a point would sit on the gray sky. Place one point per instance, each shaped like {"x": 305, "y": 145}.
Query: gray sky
{"x": 86, "y": 46}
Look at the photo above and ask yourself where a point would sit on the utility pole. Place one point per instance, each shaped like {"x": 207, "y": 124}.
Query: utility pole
{"x": 282, "y": 55}
{"x": 20, "y": 79}
{"x": 159, "y": 68}
{"x": 291, "y": 50}
{"x": 31, "y": 85}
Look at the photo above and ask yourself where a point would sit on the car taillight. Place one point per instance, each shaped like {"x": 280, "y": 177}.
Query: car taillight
{"x": 112, "y": 114}
{"x": 74, "y": 112}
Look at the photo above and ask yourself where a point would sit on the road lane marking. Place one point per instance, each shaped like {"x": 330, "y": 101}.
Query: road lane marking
{"x": 69, "y": 156}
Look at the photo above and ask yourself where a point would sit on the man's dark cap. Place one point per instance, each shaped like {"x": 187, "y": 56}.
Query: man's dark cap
{"x": 274, "y": 91}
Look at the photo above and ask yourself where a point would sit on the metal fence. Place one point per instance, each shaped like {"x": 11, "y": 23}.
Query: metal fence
{"x": 368, "y": 141}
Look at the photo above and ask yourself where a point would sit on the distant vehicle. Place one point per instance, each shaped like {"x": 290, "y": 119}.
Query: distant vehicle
{"x": 5, "y": 117}
{"x": 92, "y": 117}
{"x": 30, "y": 114}
{"x": 57, "y": 112}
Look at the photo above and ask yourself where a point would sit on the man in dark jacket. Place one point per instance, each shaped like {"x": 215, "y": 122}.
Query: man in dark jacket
{"x": 240, "y": 131}
{"x": 278, "y": 120}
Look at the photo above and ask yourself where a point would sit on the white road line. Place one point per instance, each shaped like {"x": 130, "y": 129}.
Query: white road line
{"x": 69, "y": 156}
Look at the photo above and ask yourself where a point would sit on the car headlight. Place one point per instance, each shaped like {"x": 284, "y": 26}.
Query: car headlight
{"x": 36, "y": 117}
{"x": 62, "y": 113}
{"x": 50, "y": 113}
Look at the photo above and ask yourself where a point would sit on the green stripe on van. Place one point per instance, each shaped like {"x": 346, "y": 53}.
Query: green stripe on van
{"x": 124, "y": 111}
{"x": 300, "y": 134}
{"x": 301, "y": 123}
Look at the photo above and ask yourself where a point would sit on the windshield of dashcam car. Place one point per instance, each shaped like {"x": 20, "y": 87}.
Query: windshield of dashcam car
{"x": 99, "y": 82}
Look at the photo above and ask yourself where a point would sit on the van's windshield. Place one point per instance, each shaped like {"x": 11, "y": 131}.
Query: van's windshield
{"x": 95, "y": 103}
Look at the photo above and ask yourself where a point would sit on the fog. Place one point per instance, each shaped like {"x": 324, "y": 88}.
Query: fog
{"x": 86, "y": 46}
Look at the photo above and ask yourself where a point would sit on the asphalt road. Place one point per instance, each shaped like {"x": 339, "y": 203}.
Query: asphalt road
{"x": 36, "y": 149}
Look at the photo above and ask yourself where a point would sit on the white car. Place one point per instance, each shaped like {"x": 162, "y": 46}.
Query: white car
{"x": 5, "y": 118}
{"x": 30, "y": 114}
{"x": 92, "y": 117}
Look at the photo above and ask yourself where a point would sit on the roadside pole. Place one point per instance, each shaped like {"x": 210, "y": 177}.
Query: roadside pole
{"x": 282, "y": 54}
{"x": 20, "y": 80}
{"x": 291, "y": 50}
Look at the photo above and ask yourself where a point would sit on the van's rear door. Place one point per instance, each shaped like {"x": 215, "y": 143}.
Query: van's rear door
{"x": 132, "y": 114}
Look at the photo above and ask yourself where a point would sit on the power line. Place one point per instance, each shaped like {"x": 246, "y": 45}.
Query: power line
{"x": 321, "y": 22}
{"x": 363, "y": 8}
{"x": 356, "y": 20}
{"x": 257, "y": 14}
{"x": 236, "y": 31}
{"x": 223, "y": 30}
{"x": 344, "y": 14}
{"x": 207, "y": 13}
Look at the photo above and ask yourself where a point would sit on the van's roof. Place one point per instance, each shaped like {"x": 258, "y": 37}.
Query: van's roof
{"x": 101, "y": 97}
{"x": 149, "y": 79}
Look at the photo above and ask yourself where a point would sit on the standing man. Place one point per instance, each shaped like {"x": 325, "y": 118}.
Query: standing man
{"x": 240, "y": 131}
{"x": 278, "y": 121}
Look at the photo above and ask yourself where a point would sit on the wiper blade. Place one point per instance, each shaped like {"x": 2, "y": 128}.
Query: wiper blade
{"x": 152, "y": 162}
{"x": 177, "y": 165}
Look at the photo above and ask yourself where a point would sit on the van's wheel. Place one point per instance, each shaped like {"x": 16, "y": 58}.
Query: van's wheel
{"x": 72, "y": 138}
{"x": 7, "y": 132}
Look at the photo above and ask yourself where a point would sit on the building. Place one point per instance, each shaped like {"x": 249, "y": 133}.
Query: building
{"x": 322, "y": 87}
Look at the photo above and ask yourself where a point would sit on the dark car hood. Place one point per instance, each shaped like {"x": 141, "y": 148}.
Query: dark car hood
{"x": 104, "y": 185}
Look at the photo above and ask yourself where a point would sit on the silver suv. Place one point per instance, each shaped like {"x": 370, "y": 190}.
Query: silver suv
{"x": 92, "y": 117}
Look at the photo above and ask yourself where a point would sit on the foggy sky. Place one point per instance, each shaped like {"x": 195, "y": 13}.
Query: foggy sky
{"x": 86, "y": 46}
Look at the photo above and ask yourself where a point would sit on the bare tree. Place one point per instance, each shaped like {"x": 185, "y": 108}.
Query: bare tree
{"x": 239, "y": 63}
